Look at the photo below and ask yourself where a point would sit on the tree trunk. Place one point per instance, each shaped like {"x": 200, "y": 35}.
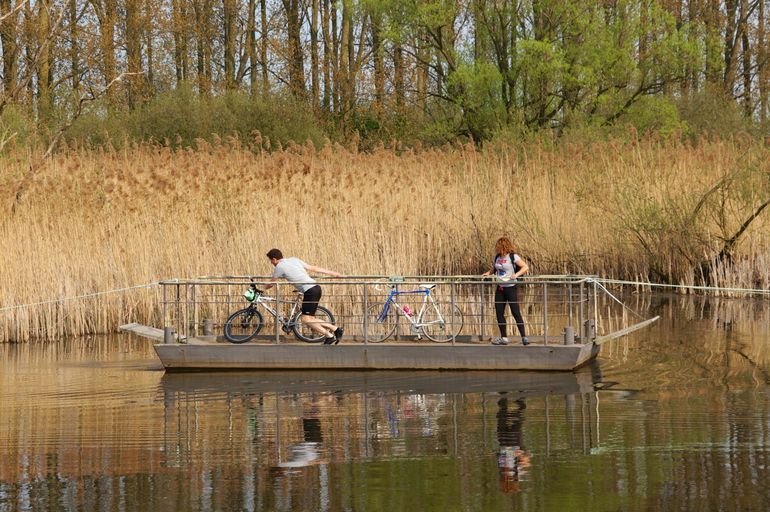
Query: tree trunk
{"x": 251, "y": 45}
{"x": 379, "y": 64}
{"x": 229, "y": 13}
{"x": 398, "y": 74}
{"x": 149, "y": 34}
{"x": 45, "y": 66}
{"x": 74, "y": 52}
{"x": 263, "y": 46}
{"x": 423, "y": 56}
{"x": 731, "y": 27}
{"x": 296, "y": 60}
{"x": 325, "y": 5}
{"x": 202, "y": 10}
{"x": 763, "y": 72}
{"x": 746, "y": 59}
{"x": 711, "y": 23}
{"x": 335, "y": 58}
{"x": 8, "y": 34}
{"x": 345, "y": 49}
{"x": 106, "y": 13}
{"x": 134, "y": 51}
{"x": 314, "y": 85}
{"x": 178, "y": 21}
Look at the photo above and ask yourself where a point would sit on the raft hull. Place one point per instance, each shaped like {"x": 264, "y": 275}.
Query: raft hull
{"x": 411, "y": 356}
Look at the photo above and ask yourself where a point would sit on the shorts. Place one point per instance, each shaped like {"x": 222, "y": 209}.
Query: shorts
{"x": 310, "y": 300}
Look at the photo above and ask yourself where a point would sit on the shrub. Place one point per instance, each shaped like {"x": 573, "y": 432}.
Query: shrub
{"x": 181, "y": 116}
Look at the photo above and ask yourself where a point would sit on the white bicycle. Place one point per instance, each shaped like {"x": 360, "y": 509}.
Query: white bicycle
{"x": 438, "y": 321}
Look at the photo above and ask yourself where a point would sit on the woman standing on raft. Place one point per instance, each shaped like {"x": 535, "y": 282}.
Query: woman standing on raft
{"x": 508, "y": 266}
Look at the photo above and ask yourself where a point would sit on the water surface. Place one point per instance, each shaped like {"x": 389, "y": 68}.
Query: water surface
{"x": 674, "y": 417}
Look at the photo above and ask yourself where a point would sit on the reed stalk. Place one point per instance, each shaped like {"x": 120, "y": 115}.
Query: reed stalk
{"x": 102, "y": 219}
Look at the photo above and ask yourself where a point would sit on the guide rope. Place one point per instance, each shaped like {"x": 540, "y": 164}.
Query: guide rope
{"x": 758, "y": 291}
{"x": 79, "y": 297}
{"x": 600, "y": 285}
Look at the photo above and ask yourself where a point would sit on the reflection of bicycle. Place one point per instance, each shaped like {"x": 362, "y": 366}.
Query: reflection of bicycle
{"x": 246, "y": 323}
{"x": 439, "y": 321}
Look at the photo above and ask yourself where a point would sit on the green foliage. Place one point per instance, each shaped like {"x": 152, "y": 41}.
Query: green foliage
{"x": 17, "y": 127}
{"x": 711, "y": 112}
{"x": 655, "y": 114}
{"x": 476, "y": 90}
{"x": 181, "y": 116}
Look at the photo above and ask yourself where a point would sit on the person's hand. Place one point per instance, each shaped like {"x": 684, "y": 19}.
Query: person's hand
{"x": 486, "y": 274}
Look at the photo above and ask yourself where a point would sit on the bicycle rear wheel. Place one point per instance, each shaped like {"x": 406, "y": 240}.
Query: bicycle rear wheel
{"x": 441, "y": 328}
{"x": 303, "y": 332}
{"x": 379, "y": 329}
{"x": 243, "y": 325}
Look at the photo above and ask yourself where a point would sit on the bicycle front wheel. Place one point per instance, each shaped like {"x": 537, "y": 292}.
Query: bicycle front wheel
{"x": 379, "y": 329}
{"x": 441, "y": 322}
{"x": 303, "y": 331}
{"x": 243, "y": 325}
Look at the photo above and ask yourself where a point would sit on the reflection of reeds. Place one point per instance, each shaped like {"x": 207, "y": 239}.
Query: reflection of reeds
{"x": 104, "y": 219}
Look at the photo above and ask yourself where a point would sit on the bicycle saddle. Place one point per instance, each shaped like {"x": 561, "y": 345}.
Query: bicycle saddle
{"x": 428, "y": 286}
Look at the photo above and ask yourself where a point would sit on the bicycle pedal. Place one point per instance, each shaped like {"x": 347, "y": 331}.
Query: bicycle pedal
{"x": 285, "y": 329}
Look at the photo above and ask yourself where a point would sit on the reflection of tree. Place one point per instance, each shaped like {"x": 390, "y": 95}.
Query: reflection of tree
{"x": 512, "y": 459}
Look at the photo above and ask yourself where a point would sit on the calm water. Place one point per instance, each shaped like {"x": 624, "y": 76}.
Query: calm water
{"x": 676, "y": 417}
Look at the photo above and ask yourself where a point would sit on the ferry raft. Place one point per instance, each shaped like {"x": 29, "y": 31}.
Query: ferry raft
{"x": 391, "y": 323}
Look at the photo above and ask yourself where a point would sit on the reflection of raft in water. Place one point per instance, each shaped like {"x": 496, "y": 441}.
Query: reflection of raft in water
{"x": 562, "y": 318}
{"x": 524, "y": 383}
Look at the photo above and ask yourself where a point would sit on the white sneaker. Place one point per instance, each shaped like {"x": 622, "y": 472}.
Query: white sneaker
{"x": 499, "y": 341}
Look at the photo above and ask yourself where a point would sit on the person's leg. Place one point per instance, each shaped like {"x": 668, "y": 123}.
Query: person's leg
{"x": 310, "y": 300}
{"x": 500, "y": 311}
{"x": 317, "y": 325}
{"x": 512, "y": 296}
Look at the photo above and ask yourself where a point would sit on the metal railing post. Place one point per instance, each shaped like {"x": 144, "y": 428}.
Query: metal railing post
{"x": 178, "y": 311}
{"x": 397, "y": 316}
{"x": 545, "y": 313}
{"x": 277, "y": 313}
{"x": 186, "y": 319}
{"x": 581, "y": 327}
{"x": 165, "y": 306}
{"x": 452, "y": 309}
{"x": 596, "y": 311}
{"x": 365, "y": 321}
{"x": 481, "y": 312}
{"x": 195, "y": 309}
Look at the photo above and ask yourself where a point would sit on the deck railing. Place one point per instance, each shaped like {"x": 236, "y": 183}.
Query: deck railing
{"x": 556, "y": 309}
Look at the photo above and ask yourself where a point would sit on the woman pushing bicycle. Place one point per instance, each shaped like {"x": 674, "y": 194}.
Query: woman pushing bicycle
{"x": 295, "y": 271}
{"x": 508, "y": 266}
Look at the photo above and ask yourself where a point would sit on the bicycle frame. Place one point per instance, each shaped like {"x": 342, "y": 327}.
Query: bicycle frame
{"x": 285, "y": 322}
{"x": 415, "y": 319}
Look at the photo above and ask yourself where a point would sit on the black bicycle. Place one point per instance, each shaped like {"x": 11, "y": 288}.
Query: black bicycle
{"x": 245, "y": 324}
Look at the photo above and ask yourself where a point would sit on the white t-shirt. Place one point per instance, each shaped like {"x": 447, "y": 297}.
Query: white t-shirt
{"x": 505, "y": 267}
{"x": 293, "y": 270}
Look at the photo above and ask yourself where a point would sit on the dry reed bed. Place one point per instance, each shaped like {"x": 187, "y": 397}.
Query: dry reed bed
{"x": 104, "y": 219}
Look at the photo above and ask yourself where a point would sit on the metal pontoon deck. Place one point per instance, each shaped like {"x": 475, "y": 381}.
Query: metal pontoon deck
{"x": 194, "y": 310}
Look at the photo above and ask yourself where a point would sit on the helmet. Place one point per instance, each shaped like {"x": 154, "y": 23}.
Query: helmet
{"x": 250, "y": 294}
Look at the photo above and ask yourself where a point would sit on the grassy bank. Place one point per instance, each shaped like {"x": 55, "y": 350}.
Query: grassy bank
{"x": 99, "y": 219}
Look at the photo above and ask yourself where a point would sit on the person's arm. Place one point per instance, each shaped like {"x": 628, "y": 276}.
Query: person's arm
{"x": 321, "y": 270}
{"x": 274, "y": 275}
{"x": 490, "y": 271}
{"x": 523, "y": 268}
